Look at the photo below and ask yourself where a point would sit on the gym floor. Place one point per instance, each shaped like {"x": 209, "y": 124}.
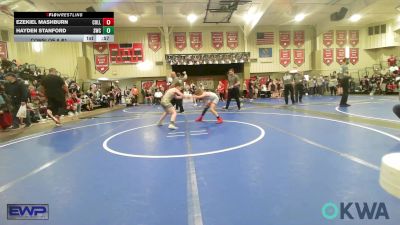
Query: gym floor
{"x": 266, "y": 164}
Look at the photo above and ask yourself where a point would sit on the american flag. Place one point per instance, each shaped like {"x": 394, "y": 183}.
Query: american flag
{"x": 265, "y": 38}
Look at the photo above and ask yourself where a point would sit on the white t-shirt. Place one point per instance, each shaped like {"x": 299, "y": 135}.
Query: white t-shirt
{"x": 263, "y": 87}
{"x": 158, "y": 94}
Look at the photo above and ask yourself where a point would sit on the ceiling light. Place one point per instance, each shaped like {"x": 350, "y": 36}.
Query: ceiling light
{"x": 299, "y": 17}
{"x": 248, "y": 17}
{"x": 133, "y": 18}
{"x": 355, "y": 17}
{"x": 103, "y": 78}
{"x": 191, "y": 18}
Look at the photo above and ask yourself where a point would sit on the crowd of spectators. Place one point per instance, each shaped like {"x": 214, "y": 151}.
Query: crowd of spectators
{"x": 383, "y": 82}
{"x": 22, "y": 101}
{"x": 379, "y": 83}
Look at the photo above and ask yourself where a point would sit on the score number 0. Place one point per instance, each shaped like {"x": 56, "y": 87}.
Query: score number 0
{"x": 108, "y": 21}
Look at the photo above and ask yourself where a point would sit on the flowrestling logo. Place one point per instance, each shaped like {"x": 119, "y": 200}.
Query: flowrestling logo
{"x": 27, "y": 211}
{"x": 355, "y": 210}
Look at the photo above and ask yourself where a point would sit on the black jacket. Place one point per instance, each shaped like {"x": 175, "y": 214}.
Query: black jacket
{"x": 18, "y": 92}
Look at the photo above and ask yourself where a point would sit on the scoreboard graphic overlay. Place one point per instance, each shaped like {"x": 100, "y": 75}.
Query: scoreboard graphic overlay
{"x": 64, "y": 26}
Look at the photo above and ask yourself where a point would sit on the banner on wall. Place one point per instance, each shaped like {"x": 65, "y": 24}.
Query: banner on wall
{"x": 265, "y": 38}
{"x": 299, "y": 38}
{"x": 328, "y": 56}
{"x": 146, "y": 84}
{"x": 354, "y": 37}
{"x": 262, "y": 80}
{"x": 341, "y": 37}
{"x": 354, "y": 56}
{"x": 284, "y": 57}
{"x": 162, "y": 83}
{"x": 327, "y": 38}
{"x": 232, "y": 39}
{"x": 298, "y": 56}
{"x": 3, "y": 50}
{"x": 284, "y": 38}
{"x": 100, "y": 46}
{"x": 126, "y": 53}
{"x": 340, "y": 55}
{"x": 180, "y": 40}
{"x": 154, "y": 40}
{"x": 101, "y": 63}
{"x": 217, "y": 40}
{"x": 196, "y": 40}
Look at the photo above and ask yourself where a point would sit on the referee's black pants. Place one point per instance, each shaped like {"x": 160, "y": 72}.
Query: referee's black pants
{"x": 289, "y": 88}
{"x": 298, "y": 92}
{"x": 396, "y": 110}
{"x": 233, "y": 93}
{"x": 179, "y": 105}
{"x": 345, "y": 95}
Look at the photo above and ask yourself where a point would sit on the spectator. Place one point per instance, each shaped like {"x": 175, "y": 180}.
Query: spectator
{"x": 73, "y": 105}
{"x": 135, "y": 95}
{"x": 162, "y": 89}
{"x": 73, "y": 87}
{"x": 392, "y": 61}
{"x": 332, "y": 85}
{"x": 251, "y": 90}
{"x": 35, "y": 108}
{"x": 148, "y": 96}
{"x": 111, "y": 97}
{"x": 221, "y": 91}
{"x": 245, "y": 89}
{"x": 279, "y": 87}
{"x": 87, "y": 103}
{"x": 157, "y": 96}
{"x": 19, "y": 96}
{"x": 256, "y": 87}
{"x": 5, "y": 109}
{"x": 118, "y": 95}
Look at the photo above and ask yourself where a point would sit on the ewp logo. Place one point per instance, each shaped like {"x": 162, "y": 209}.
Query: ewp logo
{"x": 331, "y": 211}
{"x": 27, "y": 211}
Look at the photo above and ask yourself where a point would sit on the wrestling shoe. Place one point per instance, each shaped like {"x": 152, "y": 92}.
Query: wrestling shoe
{"x": 172, "y": 127}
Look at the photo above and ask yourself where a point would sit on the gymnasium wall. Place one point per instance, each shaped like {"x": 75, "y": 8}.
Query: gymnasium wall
{"x": 384, "y": 35}
{"x": 382, "y": 54}
{"x": 274, "y": 66}
{"x": 130, "y": 35}
{"x": 62, "y": 56}
{"x": 206, "y": 37}
{"x": 125, "y": 35}
{"x": 366, "y": 57}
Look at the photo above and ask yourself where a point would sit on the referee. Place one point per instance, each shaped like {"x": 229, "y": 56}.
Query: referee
{"x": 288, "y": 81}
{"x": 396, "y": 108}
{"x": 233, "y": 89}
{"x": 344, "y": 80}
{"x": 299, "y": 87}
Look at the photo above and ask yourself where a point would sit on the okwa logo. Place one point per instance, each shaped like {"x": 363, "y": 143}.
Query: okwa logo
{"x": 355, "y": 210}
